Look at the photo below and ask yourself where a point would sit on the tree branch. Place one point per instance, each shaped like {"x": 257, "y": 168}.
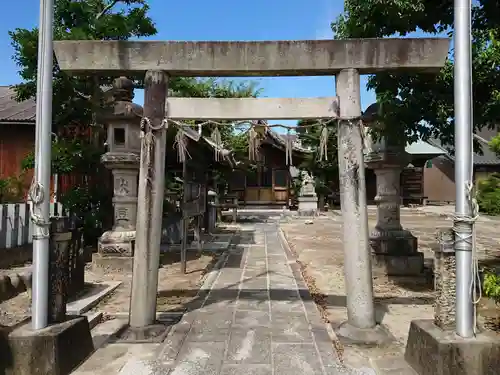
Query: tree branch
{"x": 106, "y": 9}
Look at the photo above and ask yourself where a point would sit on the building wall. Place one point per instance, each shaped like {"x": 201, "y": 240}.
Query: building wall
{"x": 16, "y": 142}
{"x": 439, "y": 180}
{"x": 482, "y": 173}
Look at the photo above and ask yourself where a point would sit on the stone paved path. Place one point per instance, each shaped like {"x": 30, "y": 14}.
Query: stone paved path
{"x": 256, "y": 318}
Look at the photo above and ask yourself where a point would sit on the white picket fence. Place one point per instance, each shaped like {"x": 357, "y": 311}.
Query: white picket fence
{"x": 16, "y": 228}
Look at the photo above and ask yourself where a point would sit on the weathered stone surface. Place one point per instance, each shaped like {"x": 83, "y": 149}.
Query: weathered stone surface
{"x": 251, "y": 108}
{"x": 308, "y": 206}
{"x": 398, "y": 264}
{"x": 14, "y": 283}
{"x": 348, "y": 334}
{"x": 445, "y": 281}
{"x": 123, "y": 161}
{"x": 274, "y": 58}
{"x": 104, "y": 263}
{"x": 432, "y": 351}
{"x": 397, "y": 242}
{"x": 55, "y": 350}
{"x": 59, "y": 269}
{"x": 394, "y": 250}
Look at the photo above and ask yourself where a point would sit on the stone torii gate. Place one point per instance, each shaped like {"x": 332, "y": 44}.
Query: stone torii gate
{"x": 346, "y": 59}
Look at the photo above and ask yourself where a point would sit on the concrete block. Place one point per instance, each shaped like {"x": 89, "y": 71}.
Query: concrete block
{"x": 55, "y": 350}
{"x": 432, "y": 351}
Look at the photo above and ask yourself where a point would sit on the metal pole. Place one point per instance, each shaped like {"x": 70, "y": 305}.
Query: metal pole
{"x": 463, "y": 167}
{"x": 185, "y": 220}
{"x": 41, "y": 186}
{"x": 55, "y": 177}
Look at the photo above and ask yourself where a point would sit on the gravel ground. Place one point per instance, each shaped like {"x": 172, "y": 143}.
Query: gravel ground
{"x": 319, "y": 249}
{"x": 174, "y": 289}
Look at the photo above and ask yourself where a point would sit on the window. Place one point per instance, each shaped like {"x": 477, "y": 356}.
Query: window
{"x": 280, "y": 178}
{"x": 237, "y": 180}
{"x": 252, "y": 178}
{"x": 267, "y": 177}
{"x": 119, "y": 136}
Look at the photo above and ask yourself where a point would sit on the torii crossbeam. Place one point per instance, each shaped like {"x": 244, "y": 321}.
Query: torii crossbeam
{"x": 346, "y": 59}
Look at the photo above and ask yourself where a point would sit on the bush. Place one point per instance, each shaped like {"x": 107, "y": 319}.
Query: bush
{"x": 488, "y": 197}
{"x": 491, "y": 286}
{"x": 92, "y": 204}
{"x": 12, "y": 189}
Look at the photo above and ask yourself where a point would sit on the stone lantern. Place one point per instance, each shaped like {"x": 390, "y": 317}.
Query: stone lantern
{"x": 116, "y": 246}
{"x": 394, "y": 249}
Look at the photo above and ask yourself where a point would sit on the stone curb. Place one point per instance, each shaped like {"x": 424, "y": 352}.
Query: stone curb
{"x": 15, "y": 283}
{"x": 87, "y": 302}
{"x": 342, "y": 367}
{"x": 210, "y": 277}
{"x": 137, "y": 366}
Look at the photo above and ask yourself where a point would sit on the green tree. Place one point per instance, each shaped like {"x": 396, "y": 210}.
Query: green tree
{"x": 422, "y": 104}
{"x": 78, "y": 100}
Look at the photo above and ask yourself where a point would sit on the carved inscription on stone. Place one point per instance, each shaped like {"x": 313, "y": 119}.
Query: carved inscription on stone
{"x": 121, "y": 187}
{"x": 121, "y": 215}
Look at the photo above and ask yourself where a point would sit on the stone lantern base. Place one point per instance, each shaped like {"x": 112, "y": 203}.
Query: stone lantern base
{"x": 115, "y": 251}
{"x": 308, "y": 205}
{"x": 395, "y": 254}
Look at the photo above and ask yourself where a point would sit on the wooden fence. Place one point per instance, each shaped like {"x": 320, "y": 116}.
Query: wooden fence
{"x": 16, "y": 227}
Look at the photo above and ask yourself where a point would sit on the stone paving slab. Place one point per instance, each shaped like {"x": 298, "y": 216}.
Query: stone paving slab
{"x": 257, "y": 318}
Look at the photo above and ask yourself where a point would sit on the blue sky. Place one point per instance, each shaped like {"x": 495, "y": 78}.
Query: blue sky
{"x": 215, "y": 20}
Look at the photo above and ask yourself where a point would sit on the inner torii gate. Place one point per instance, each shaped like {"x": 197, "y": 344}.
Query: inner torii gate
{"x": 346, "y": 59}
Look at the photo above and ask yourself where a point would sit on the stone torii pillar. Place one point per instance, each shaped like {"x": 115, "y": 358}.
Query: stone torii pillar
{"x": 360, "y": 325}
{"x": 151, "y": 194}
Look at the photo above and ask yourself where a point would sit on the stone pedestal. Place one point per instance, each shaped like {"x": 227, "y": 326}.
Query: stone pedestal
{"x": 59, "y": 265}
{"x": 211, "y": 217}
{"x": 55, "y": 350}
{"x": 307, "y": 200}
{"x": 308, "y": 205}
{"x": 394, "y": 250}
{"x": 431, "y": 350}
{"x": 116, "y": 246}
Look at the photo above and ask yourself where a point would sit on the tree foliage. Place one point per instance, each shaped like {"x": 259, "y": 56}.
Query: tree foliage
{"x": 77, "y": 100}
{"x": 422, "y": 104}
{"x": 488, "y": 195}
{"x": 79, "y": 20}
{"x": 488, "y": 189}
